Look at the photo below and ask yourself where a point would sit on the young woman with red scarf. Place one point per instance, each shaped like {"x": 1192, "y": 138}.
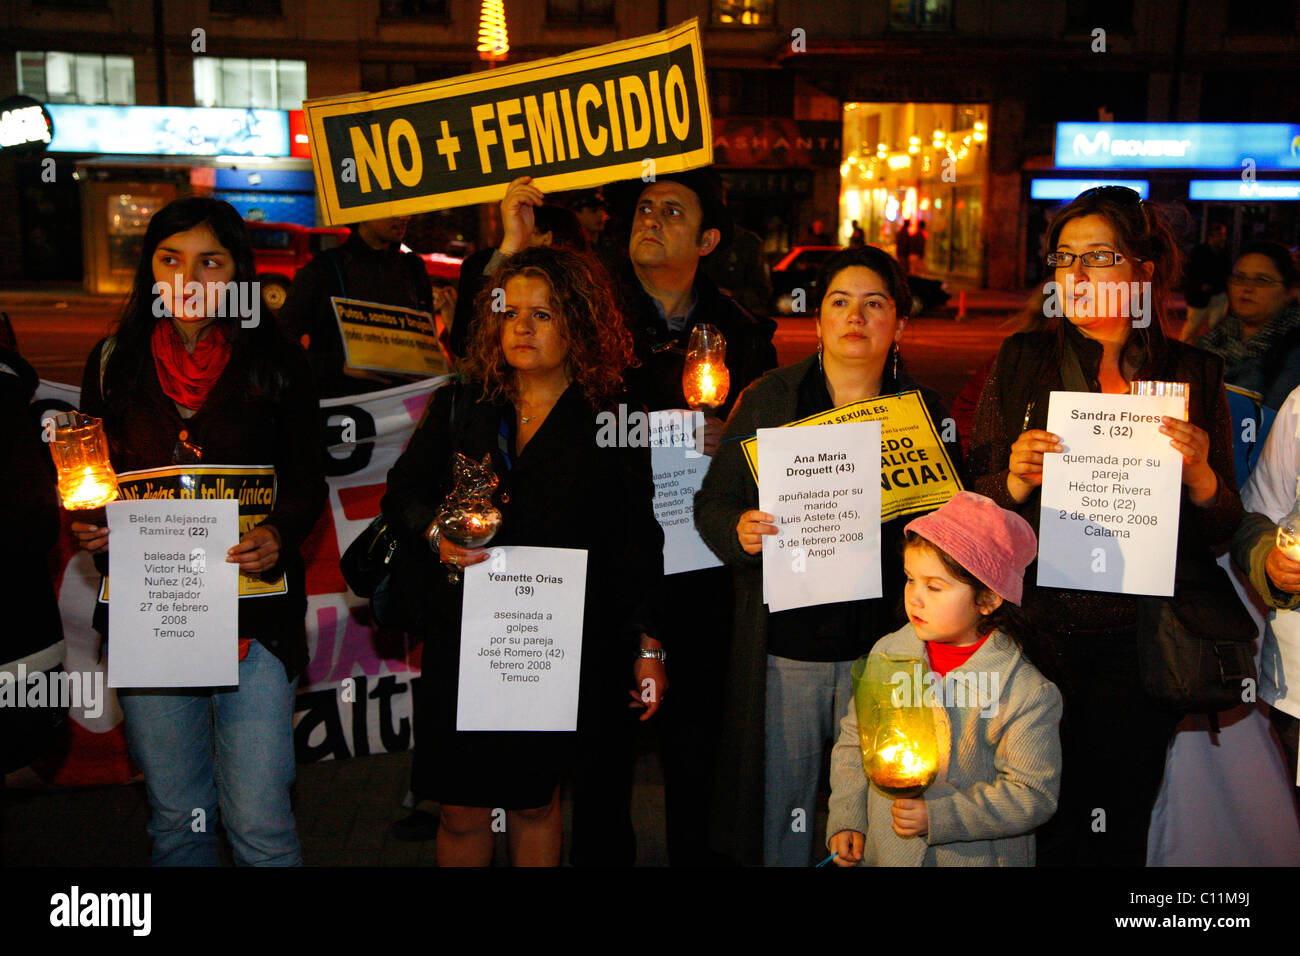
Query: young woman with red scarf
{"x": 184, "y": 381}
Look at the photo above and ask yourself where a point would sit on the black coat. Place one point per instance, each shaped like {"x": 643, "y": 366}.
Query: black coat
{"x": 563, "y": 491}
{"x": 657, "y": 382}
{"x": 352, "y": 271}
{"x": 29, "y": 521}
{"x": 235, "y": 427}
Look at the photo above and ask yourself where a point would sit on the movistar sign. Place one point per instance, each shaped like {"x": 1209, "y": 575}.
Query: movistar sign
{"x": 1177, "y": 145}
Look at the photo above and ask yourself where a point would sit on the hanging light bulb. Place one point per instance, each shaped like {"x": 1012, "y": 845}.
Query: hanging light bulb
{"x": 493, "y": 43}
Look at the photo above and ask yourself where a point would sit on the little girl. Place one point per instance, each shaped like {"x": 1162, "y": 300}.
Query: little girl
{"x": 1000, "y": 751}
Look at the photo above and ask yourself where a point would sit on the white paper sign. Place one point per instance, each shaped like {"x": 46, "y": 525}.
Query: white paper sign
{"x": 678, "y": 473}
{"x": 1109, "y": 519}
{"x": 174, "y": 617}
{"x": 822, "y": 484}
{"x": 521, "y": 640}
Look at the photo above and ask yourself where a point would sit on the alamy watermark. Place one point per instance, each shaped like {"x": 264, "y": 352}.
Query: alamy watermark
{"x": 227, "y": 300}
{"x": 1084, "y": 299}
{"x": 81, "y": 690}
{"x": 980, "y": 689}
{"x": 634, "y": 428}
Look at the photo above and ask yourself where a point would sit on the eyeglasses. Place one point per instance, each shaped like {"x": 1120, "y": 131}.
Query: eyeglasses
{"x": 1253, "y": 282}
{"x": 1097, "y": 258}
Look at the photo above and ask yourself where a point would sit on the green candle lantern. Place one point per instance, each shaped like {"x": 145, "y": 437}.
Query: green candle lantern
{"x": 900, "y": 748}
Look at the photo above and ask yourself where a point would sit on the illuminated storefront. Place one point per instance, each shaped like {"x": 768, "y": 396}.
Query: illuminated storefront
{"x": 923, "y": 163}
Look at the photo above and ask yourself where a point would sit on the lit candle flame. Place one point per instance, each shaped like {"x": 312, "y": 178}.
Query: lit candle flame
{"x": 89, "y": 491}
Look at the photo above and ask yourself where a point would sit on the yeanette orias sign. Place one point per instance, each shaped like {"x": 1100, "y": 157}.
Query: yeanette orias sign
{"x": 587, "y": 118}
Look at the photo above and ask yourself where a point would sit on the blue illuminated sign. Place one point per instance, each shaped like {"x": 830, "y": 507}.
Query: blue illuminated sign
{"x": 169, "y": 130}
{"x": 1234, "y": 190}
{"x": 1069, "y": 188}
{"x": 1177, "y": 145}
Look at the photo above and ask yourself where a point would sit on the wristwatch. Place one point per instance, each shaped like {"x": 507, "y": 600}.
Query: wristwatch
{"x": 646, "y": 654}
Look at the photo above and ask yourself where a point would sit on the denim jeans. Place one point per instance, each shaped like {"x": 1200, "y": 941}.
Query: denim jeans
{"x": 805, "y": 702}
{"x": 200, "y": 747}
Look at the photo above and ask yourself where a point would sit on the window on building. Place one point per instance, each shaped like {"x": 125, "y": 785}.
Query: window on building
{"x": 246, "y": 8}
{"x": 1084, "y": 16}
{"x": 920, "y": 14}
{"x": 413, "y": 9}
{"x": 255, "y": 84}
{"x": 749, "y": 13}
{"x": 54, "y": 77}
{"x": 580, "y": 11}
{"x": 1277, "y": 17}
{"x": 376, "y": 75}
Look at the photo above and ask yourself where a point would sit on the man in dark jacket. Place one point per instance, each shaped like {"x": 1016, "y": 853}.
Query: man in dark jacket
{"x": 369, "y": 267}
{"x": 679, "y": 220}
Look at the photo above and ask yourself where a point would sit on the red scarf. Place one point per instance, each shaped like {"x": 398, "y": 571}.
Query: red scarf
{"x": 187, "y": 378}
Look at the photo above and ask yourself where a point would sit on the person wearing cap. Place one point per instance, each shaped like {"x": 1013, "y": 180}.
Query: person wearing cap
{"x": 998, "y": 732}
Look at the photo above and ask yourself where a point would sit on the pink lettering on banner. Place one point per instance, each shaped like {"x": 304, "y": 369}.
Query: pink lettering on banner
{"x": 415, "y": 405}
{"x": 333, "y": 661}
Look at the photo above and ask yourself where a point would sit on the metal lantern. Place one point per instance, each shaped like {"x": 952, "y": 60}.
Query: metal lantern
{"x": 705, "y": 379}
{"x": 900, "y": 749}
{"x": 80, "y": 452}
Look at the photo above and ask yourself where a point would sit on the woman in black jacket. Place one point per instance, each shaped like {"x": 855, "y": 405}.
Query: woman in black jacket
{"x": 541, "y": 370}
{"x": 789, "y": 679}
{"x": 190, "y": 380}
{"x": 1113, "y": 739}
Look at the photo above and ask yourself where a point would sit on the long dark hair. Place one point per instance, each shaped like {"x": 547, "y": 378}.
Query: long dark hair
{"x": 1038, "y": 646}
{"x": 256, "y": 352}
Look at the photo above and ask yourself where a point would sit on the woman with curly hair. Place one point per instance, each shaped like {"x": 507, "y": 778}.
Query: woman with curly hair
{"x": 546, "y": 359}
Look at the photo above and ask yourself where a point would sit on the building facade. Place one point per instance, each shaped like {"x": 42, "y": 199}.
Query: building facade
{"x": 877, "y": 110}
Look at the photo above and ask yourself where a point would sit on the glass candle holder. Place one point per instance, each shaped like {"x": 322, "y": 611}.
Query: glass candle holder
{"x": 705, "y": 378}
{"x": 896, "y": 731}
{"x": 80, "y": 452}
{"x": 1176, "y": 389}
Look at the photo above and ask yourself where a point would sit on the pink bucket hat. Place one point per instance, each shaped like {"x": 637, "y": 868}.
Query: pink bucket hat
{"x": 991, "y": 543}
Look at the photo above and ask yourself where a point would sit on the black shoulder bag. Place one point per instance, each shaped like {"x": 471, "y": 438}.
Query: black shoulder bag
{"x": 371, "y": 559}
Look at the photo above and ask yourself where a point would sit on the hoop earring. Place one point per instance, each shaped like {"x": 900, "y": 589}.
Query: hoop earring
{"x": 820, "y": 366}
{"x": 895, "y": 363}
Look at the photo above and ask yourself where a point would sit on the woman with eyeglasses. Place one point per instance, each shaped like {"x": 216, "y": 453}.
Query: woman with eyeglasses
{"x": 1113, "y": 739}
{"x": 1259, "y": 338}
{"x": 186, "y": 380}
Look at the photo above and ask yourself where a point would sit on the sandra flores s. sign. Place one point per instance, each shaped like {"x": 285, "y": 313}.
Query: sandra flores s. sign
{"x": 583, "y": 119}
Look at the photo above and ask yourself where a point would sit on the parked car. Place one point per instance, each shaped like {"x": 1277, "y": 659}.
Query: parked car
{"x": 798, "y": 270}
{"x": 280, "y": 249}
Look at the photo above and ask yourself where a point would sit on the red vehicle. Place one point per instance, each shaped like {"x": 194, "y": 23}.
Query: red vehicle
{"x": 280, "y": 249}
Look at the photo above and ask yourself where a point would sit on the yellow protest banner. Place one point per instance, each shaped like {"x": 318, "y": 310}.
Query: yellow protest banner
{"x": 916, "y": 473}
{"x": 386, "y": 338}
{"x": 630, "y": 109}
{"x": 253, "y": 486}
